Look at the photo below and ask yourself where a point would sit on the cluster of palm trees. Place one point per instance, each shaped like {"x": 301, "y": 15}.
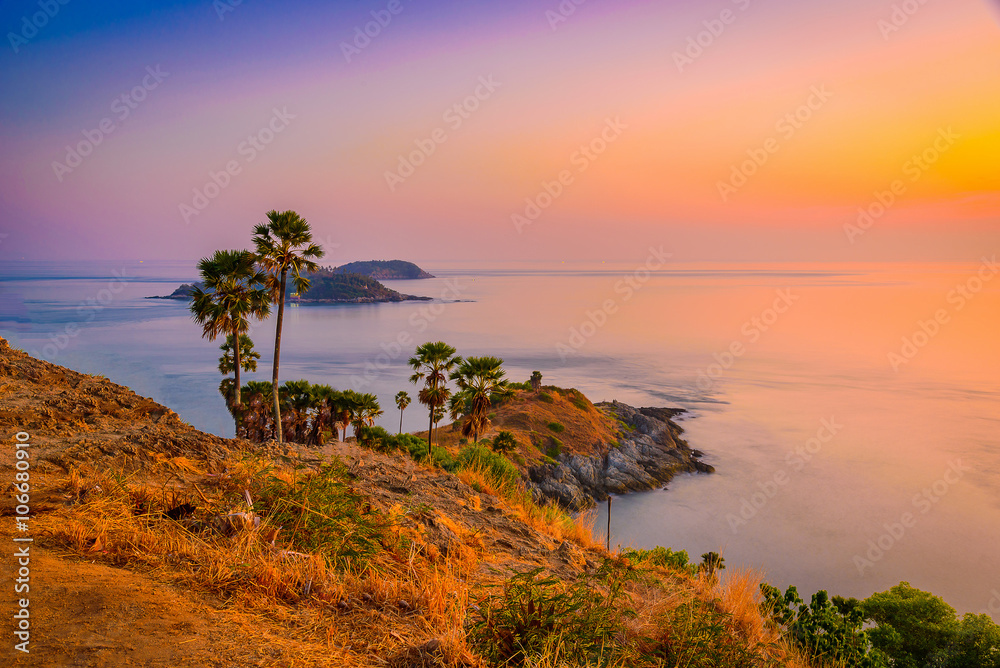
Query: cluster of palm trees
{"x": 479, "y": 381}
{"x": 240, "y": 285}
{"x": 310, "y": 413}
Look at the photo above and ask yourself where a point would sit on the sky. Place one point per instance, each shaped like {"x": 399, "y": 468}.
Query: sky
{"x": 726, "y": 130}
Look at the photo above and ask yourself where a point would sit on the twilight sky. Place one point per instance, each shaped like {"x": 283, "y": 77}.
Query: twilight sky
{"x": 723, "y": 130}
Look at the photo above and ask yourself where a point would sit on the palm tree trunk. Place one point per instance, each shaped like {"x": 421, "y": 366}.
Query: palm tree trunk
{"x": 400, "y": 421}
{"x": 277, "y": 354}
{"x": 236, "y": 394}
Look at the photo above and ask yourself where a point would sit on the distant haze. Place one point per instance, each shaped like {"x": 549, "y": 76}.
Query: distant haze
{"x": 734, "y": 130}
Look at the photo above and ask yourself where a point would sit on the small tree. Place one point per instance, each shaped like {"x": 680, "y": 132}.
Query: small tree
{"x": 710, "y": 563}
{"x": 402, "y": 401}
{"x": 536, "y": 380}
{"x": 504, "y": 442}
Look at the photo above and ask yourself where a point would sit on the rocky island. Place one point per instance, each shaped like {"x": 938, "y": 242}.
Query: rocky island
{"x": 354, "y": 283}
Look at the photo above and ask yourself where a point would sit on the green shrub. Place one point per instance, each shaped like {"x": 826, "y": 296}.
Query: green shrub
{"x": 499, "y": 467}
{"x": 377, "y": 438}
{"x": 322, "y": 514}
{"x": 533, "y": 616}
{"x": 504, "y": 442}
{"x": 824, "y": 630}
{"x": 555, "y": 447}
{"x": 556, "y": 427}
{"x": 662, "y": 557}
{"x": 580, "y": 403}
{"x": 546, "y": 397}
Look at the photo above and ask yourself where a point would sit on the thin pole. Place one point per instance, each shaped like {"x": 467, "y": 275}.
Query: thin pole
{"x": 609, "y": 524}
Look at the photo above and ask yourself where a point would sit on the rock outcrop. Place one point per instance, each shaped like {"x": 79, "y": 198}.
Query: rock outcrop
{"x": 648, "y": 454}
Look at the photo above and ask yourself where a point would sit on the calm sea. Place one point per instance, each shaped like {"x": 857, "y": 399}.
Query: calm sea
{"x": 851, "y": 411}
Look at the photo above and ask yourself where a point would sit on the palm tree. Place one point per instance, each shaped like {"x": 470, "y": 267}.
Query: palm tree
{"x": 479, "y": 379}
{"x": 322, "y": 396}
{"x": 256, "y": 419}
{"x": 297, "y": 396}
{"x": 342, "y": 411}
{"x": 366, "y": 409}
{"x": 536, "y": 380}
{"x": 402, "y": 401}
{"x": 284, "y": 244}
{"x": 432, "y": 363}
{"x": 232, "y": 294}
{"x": 227, "y": 363}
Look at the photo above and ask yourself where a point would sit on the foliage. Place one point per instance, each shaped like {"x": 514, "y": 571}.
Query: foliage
{"x": 555, "y": 447}
{"x": 556, "y": 427}
{"x": 915, "y": 628}
{"x": 662, "y": 557}
{"x": 546, "y": 397}
{"x": 536, "y": 380}
{"x": 479, "y": 381}
{"x": 503, "y": 442}
{"x": 823, "y": 630}
{"x": 284, "y": 244}
{"x": 432, "y": 362}
{"x": 531, "y": 615}
{"x": 320, "y": 513}
{"x": 700, "y": 634}
{"x": 346, "y": 288}
{"x": 501, "y": 468}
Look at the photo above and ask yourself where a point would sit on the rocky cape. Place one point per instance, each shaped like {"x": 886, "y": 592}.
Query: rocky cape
{"x": 648, "y": 454}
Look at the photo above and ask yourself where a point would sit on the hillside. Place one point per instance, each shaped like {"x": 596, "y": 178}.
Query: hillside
{"x": 146, "y": 552}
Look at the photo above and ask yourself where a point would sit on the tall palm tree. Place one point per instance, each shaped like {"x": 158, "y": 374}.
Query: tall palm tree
{"x": 402, "y": 401}
{"x": 284, "y": 244}
{"x": 478, "y": 380}
{"x": 432, "y": 363}
{"x": 231, "y": 292}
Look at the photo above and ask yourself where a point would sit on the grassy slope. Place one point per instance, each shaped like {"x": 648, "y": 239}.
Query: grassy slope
{"x": 587, "y": 429}
{"x": 107, "y": 464}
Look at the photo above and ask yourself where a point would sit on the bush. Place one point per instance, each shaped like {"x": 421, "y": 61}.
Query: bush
{"x": 580, "y": 402}
{"x": 504, "y": 442}
{"x": 662, "y": 557}
{"x": 556, "y": 427}
{"x": 377, "y": 438}
{"x": 499, "y": 467}
{"x": 534, "y": 616}
{"x": 322, "y": 514}
{"x": 823, "y": 630}
{"x": 555, "y": 447}
{"x": 546, "y": 397}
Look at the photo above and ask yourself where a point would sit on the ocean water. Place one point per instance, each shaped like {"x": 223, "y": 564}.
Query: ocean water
{"x": 851, "y": 411}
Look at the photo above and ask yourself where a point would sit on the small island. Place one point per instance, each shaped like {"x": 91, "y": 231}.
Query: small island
{"x": 353, "y": 283}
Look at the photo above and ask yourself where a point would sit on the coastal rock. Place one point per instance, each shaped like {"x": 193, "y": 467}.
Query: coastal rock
{"x": 648, "y": 454}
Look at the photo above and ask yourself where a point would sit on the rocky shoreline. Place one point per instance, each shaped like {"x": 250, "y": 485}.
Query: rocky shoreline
{"x": 649, "y": 453}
